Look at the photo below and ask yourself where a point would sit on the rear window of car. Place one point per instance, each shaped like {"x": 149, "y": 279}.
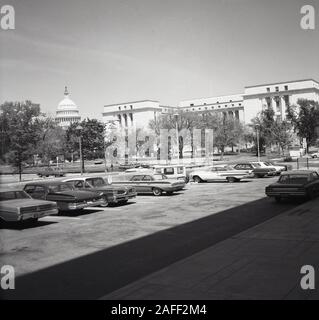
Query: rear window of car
{"x": 294, "y": 179}
{"x": 13, "y": 195}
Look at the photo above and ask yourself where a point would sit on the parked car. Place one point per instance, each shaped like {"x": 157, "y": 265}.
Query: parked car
{"x": 258, "y": 171}
{"x": 66, "y": 197}
{"x": 112, "y": 194}
{"x": 268, "y": 164}
{"x": 315, "y": 155}
{"x": 150, "y": 183}
{"x": 297, "y": 183}
{"x": 219, "y": 173}
{"x": 50, "y": 171}
{"x": 17, "y": 205}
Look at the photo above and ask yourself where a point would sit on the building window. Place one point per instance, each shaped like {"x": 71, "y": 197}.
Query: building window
{"x": 240, "y": 104}
{"x": 192, "y": 104}
{"x": 277, "y": 89}
{"x": 119, "y": 108}
{"x": 131, "y": 107}
{"x": 268, "y": 89}
{"x": 286, "y": 88}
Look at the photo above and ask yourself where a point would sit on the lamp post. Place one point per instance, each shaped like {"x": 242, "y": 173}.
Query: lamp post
{"x": 258, "y": 147}
{"x": 79, "y": 128}
{"x": 176, "y": 119}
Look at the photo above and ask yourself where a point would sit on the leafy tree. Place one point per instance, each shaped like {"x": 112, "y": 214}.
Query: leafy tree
{"x": 304, "y": 118}
{"x": 20, "y": 127}
{"x": 51, "y": 141}
{"x": 92, "y": 137}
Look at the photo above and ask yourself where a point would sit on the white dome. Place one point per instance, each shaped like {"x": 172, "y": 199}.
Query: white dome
{"x": 67, "y": 111}
{"x": 67, "y": 103}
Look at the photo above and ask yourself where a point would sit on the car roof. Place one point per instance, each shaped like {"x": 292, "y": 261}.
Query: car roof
{"x": 44, "y": 183}
{"x": 298, "y": 172}
{"x": 82, "y": 178}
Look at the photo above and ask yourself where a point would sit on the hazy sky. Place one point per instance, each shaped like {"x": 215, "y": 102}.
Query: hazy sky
{"x": 111, "y": 51}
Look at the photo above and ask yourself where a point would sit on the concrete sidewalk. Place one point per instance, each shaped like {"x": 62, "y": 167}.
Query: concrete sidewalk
{"x": 262, "y": 262}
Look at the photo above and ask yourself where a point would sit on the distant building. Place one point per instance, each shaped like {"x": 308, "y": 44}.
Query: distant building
{"x": 67, "y": 111}
{"x": 135, "y": 114}
{"x": 243, "y": 107}
{"x": 256, "y": 98}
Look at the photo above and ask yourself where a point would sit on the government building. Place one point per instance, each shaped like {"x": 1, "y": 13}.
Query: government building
{"x": 67, "y": 111}
{"x": 244, "y": 106}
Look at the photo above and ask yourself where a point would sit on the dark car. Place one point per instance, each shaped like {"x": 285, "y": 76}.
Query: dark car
{"x": 298, "y": 183}
{"x": 113, "y": 194}
{"x": 257, "y": 170}
{"x": 66, "y": 197}
{"x": 50, "y": 171}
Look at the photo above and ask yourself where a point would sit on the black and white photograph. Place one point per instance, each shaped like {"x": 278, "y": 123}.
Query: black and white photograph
{"x": 159, "y": 150}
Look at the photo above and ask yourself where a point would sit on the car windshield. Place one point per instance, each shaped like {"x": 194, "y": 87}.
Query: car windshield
{"x": 294, "y": 179}
{"x": 60, "y": 187}
{"x": 13, "y": 195}
{"x": 268, "y": 164}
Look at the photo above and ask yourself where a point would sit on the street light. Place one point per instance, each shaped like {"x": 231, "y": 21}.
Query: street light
{"x": 257, "y": 135}
{"x": 176, "y": 117}
{"x": 79, "y": 128}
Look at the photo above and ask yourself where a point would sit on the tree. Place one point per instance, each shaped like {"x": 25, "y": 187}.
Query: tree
{"x": 51, "y": 141}
{"x": 92, "y": 137}
{"x": 20, "y": 128}
{"x": 304, "y": 118}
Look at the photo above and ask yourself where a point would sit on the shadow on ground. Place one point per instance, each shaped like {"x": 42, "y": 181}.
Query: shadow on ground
{"x": 97, "y": 274}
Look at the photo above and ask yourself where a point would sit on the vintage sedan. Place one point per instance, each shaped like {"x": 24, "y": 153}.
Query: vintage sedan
{"x": 150, "y": 183}
{"x": 266, "y": 164}
{"x": 112, "y": 194}
{"x": 17, "y": 205}
{"x": 296, "y": 183}
{"x": 66, "y": 197}
{"x": 219, "y": 173}
{"x": 258, "y": 171}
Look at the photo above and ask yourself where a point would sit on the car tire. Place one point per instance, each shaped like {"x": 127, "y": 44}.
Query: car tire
{"x": 197, "y": 179}
{"x": 157, "y": 192}
{"x": 231, "y": 179}
{"x": 259, "y": 175}
{"x": 278, "y": 199}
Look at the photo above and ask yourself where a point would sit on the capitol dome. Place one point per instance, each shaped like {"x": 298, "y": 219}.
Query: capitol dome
{"x": 67, "y": 111}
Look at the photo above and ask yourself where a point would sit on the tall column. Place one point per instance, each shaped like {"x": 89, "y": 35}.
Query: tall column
{"x": 283, "y": 107}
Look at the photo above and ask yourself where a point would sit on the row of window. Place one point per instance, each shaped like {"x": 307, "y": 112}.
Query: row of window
{"x": 131, "y": 107}
{"x": 67, "y": 119}
{"x": 277, "y": 88}
{"x": 213, "y": 107}
{"x": 130, "y": 115}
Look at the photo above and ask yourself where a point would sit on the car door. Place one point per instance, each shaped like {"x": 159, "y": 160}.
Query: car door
{"x": 211, "y": 174}
{"x": 147, "y": 183}
{"x": 136, "y": 181}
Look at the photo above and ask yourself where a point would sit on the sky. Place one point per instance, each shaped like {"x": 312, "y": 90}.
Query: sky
{"x": 113, "y": 51}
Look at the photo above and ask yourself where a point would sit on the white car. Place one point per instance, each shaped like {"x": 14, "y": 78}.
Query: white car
{"x": 315, "y": 155}
{"x": 219, "y": 173}
{"x": 266, "y": 164}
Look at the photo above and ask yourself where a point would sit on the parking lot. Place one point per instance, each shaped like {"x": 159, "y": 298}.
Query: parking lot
{"x": 56, "y": 240}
